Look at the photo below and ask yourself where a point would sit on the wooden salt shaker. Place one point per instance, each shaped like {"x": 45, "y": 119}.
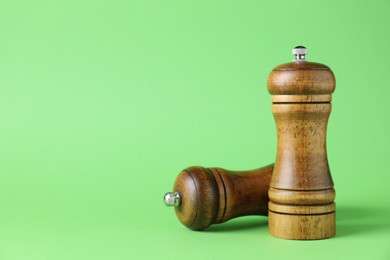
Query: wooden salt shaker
{"x": 205, "y": 196}
{"x": 301, "y": 191}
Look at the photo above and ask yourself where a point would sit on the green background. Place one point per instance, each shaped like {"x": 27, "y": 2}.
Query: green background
{"x": 103, "y": 103}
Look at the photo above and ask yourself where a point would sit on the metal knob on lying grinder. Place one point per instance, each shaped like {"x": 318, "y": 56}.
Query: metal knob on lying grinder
{"x": 205, "y": 196}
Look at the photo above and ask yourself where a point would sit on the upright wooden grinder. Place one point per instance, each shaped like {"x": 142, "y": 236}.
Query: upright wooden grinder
{"x": 301, "y": 191}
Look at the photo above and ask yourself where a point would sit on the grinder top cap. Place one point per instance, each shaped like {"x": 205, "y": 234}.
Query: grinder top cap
{"x": 313, "y": 80}
{"x": 195, "y": 198}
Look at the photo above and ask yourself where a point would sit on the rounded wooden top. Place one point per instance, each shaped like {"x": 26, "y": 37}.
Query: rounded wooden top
{"x": 199, "y": 198}
{"x": 302, "y": 78}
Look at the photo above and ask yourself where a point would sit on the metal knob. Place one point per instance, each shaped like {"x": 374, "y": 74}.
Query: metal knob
{"x": 172, "y": 199}
{"x": 299, "y": 52}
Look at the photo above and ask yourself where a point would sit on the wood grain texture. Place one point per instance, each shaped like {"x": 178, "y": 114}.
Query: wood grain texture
{"x": 215, "y": 195}
{"x": 301, "y": 227}
{"x": 301, "y": 190}
{"x": 301, "y": 160}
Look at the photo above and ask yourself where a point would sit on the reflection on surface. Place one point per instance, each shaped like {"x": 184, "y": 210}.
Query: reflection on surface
{"x": 353, "y": 220}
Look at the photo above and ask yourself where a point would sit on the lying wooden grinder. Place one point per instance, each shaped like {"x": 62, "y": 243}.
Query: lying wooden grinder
{"x": 205, "y": 196}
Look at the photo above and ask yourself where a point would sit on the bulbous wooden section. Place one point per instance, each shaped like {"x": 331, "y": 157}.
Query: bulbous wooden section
{"x": 301, "y": 78}
{"x": 215, "y": 195}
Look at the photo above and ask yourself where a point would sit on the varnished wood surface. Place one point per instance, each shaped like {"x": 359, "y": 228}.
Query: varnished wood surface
{"x": 215, "y": 195}
{"x": 199, "y": 198}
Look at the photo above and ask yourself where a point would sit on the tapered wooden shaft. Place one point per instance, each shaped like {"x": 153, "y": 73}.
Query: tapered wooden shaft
{"x": 208, "y": 196}
{"x": 301, "y": 191}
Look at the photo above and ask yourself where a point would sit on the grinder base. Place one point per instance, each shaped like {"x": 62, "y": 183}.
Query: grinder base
{"x": 302, "y": 227}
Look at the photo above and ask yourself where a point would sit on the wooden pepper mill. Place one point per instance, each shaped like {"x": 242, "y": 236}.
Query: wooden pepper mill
{"x": 301, "y": 191}
{"x": 205, "y": 196}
